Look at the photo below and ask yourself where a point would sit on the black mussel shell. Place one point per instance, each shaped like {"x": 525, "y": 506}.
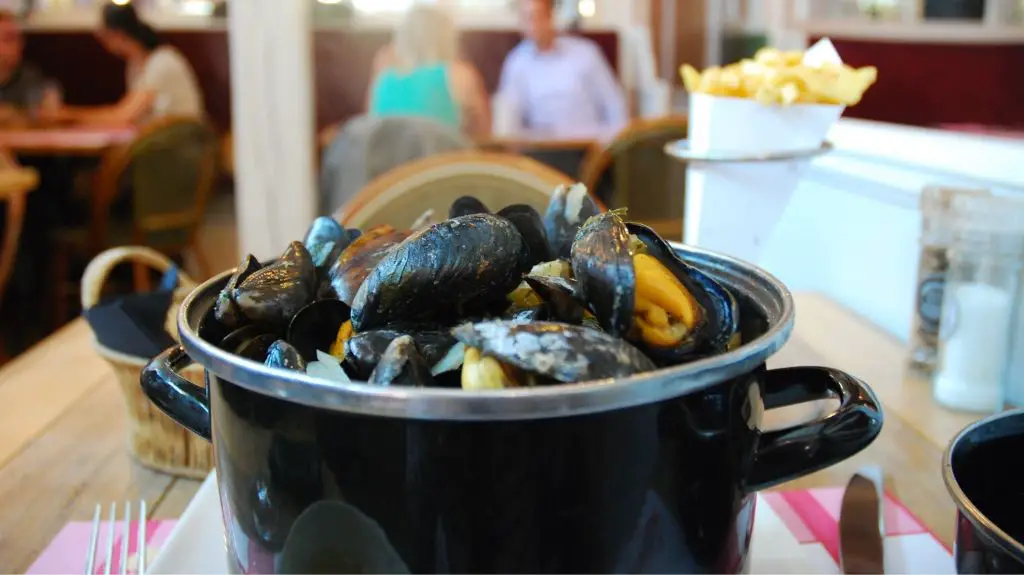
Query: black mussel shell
{"x": 324, "y": 242}
{"x": 560, "y": 297}
{"x": 277, "y": 292}
{"x": 465, "y": 206}
{"x": 225, "y": 310}
{"x": 531, "y": 227}
{"x": 239, "y": 336}
{"x": 256, "y": 348}
{"x": 363, "y": 351}
{"x": 315, "y": 327}
{"x": 566, "y": 353}
{"x": 569, "y": 208}
{"x": 402, "y": 365}
{"x": 721, "y": 311}
{"x": 282, "y": 354}
{"x": 603, "y": 267}
{"x": 441, "y": 273}
{"x": 358, "y": 259}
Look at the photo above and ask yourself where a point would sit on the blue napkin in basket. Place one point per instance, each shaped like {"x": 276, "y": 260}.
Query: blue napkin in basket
{"x": 134, "y": 323}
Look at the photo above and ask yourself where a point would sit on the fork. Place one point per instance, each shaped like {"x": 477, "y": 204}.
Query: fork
{"x": 126, "y": 538}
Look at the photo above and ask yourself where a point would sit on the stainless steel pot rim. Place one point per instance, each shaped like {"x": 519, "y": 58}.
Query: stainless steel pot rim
{"x": 963, "y": 503}
{"x": 505, "y": 404}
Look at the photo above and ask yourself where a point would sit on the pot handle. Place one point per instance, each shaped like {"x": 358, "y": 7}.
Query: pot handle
{"x": 183, "y": 401}
{"x": 785, "y": 454}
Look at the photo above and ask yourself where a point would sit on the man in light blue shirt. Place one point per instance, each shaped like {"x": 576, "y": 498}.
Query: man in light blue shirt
{"x": 559, "y": 86}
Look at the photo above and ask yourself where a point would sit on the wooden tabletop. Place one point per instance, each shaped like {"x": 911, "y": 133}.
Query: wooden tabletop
{"x": 63, "y": 425}
{"x": 63, "y": 140}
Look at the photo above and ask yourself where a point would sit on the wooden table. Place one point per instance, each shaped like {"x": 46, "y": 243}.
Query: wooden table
{"x": 63, "y": 140}
{"x": 63, "y": 425}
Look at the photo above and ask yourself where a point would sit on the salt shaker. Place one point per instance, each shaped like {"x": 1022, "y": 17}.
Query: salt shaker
{"x": 982, "y": 283}
{"x": 936, "y": 236}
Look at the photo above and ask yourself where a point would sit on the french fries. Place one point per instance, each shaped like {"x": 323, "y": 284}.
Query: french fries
{"x": 776, "y": 77}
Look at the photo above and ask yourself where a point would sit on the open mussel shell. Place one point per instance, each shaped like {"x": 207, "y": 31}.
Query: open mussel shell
{"x": 236, "y": 338}
{"x": 569, "y": 208}
{"x": 225, "y": 310}
{"x": 315, "y": 327}
{"x": 603, "y": 267}
{"x": 531, "y": 227}
{"x": 721, "y": 311}
{"x": 401, "y": 365}
{"x": 324, "y": 241}
{"x": 357, "y": 260}
{"x": 560, "y": 298}
{"x": 442, "y": 273}
{"x": 275, "y": 293}
{"x": 256, "y": 348}
{"x": 467, "y": 205}
{"x": 282, "y": 354}
{"x": 566, "y": 353}
{"x": 363, "y": 351}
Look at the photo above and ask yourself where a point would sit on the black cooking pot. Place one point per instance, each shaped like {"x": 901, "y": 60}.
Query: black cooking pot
{"x": 979, "y": 474}
{"x": 651, "y": 474}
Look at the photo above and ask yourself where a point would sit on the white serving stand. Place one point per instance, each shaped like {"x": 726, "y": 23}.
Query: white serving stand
{"x": 735, "y": 199}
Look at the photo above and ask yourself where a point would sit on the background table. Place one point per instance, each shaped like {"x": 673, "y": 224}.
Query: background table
{"x": 63, "y": 140}
{"x": 63, "y": 425}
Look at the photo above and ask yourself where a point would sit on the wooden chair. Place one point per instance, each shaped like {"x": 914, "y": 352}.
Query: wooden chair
{"x": 634, "y": 172}
{"x": 169, "y": 170}
{"x": 401, "y": 195}
{"x": 15, "y": 184}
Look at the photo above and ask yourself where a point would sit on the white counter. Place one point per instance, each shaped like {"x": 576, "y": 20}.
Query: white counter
{"x": 851, "y": 229}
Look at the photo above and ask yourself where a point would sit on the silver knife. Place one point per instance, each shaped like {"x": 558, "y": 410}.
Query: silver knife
{"x": 861, "y": 524}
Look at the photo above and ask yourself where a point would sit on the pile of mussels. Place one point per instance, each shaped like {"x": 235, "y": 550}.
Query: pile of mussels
{"x": 478, "y": 301}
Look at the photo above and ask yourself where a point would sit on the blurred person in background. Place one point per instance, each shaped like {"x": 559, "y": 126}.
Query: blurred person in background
{"x": 420, "y": 74}
{"x": 559, "y": 84}
{"x": 160, "y": 80}
{"x": 24, "y": 92}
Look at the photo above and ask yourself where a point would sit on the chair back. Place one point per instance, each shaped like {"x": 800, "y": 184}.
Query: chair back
{"x": 400, "y": 196}
{"x": 634, "y": 172}
{"x": 15, "y": 184}
{"x": 368, "y": 146}
{"x": 172, "y": 167}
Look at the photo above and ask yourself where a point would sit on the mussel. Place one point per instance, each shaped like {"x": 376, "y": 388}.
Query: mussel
{"x": 442, "y": 273}
{"x": 282, "y": 354}
{"x": 467, "y": 205}
{"x": 570, "y": 206}
{"x": 560, "y": 298}
{"x": 558, "y": 351}
{"x": 641, "y": 290}
{"x": 363, "y": 351}
{"x": 358, "y": 259}
{"x": 531, "y": 227}
{"x": 324, "y": 242}
{"x": 316, "y": 327}
{"x": 401, "y": 364}
{"x": 275, "y": 293}
{"x": 225, "y": 310}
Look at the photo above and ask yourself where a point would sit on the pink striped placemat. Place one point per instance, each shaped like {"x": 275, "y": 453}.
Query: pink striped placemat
{"x": 67, "y": 552}
{"x": 794, "y": 532}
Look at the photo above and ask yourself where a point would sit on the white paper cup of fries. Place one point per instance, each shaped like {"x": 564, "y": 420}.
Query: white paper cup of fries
{"x": 726, "y": 124}
{"x": 777, "y": 102}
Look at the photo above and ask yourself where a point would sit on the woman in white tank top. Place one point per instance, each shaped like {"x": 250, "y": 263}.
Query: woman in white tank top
{"x": 160, "y": 80}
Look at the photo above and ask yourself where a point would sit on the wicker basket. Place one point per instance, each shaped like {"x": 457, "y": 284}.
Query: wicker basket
{"x": 154, "y": 439}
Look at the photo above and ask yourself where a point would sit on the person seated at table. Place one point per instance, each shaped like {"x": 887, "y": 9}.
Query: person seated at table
{"x": 421, "y": 75}
{"x": 559, "y": 84}
{"x": 24, "y": 91}
{"x": 160, "y": 80}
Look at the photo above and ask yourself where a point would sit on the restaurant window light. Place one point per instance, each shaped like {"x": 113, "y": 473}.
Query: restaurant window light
{"x": 586, "y": 8}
